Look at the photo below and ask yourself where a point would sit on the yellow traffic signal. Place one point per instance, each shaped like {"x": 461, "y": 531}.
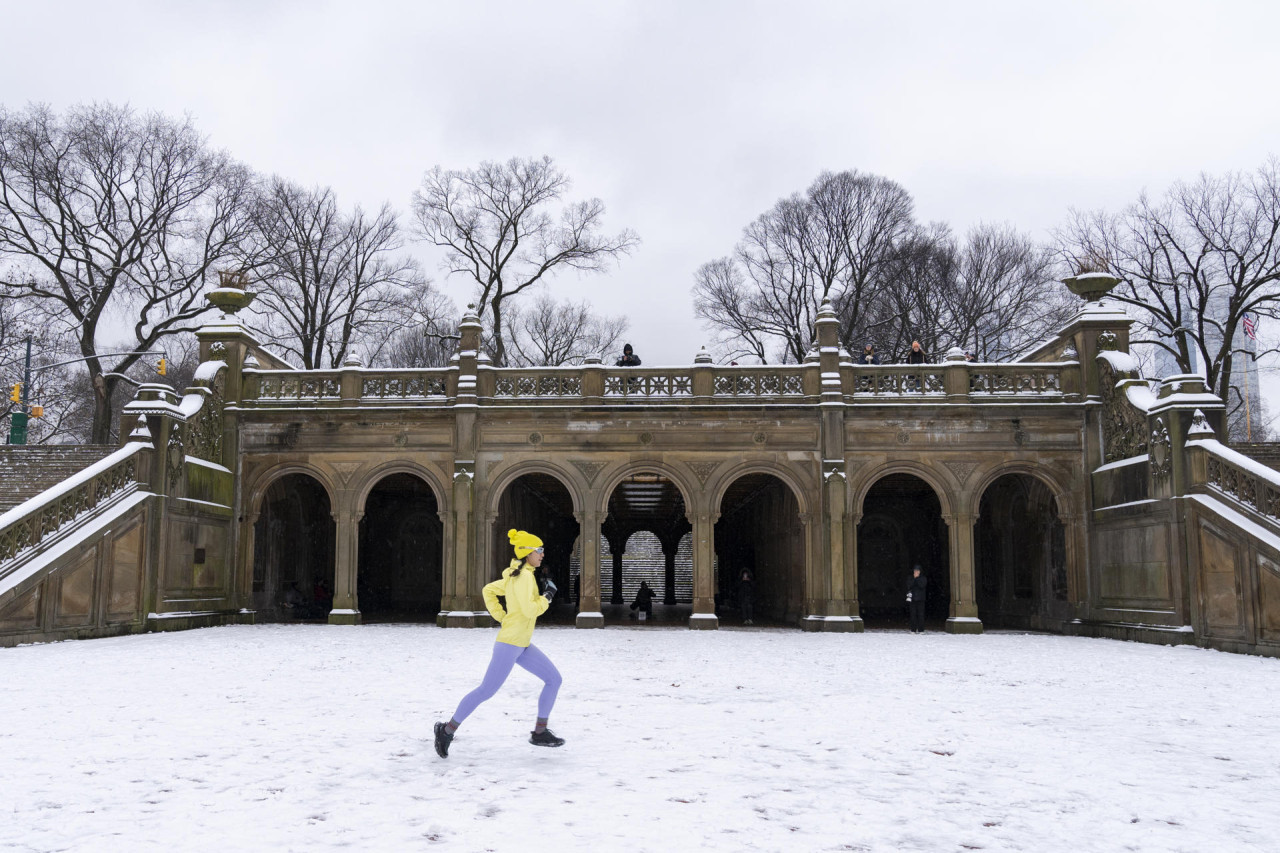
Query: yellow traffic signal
{"x": 16, "y": 394}
{"x": 37, "y": 411}
{"x": 162, "y": 367}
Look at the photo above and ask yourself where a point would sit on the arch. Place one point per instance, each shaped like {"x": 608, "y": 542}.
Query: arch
{"x": 400, "y": 553}
{"x": 762, "y": 544}
{"x": 370, "y": 479}
{"x": 720, "y": 485}
{"x": 662, "y": 469}
{"x": 263, "y": 481}
{"x": 1061, "y": 497}
{"x": 508, "y": 475}
{"x": 927, "y": 473}
{"x": 292, "y": 564}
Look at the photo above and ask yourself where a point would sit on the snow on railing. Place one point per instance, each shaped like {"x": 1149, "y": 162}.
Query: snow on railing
{"x": 898, "y": 380}
{"x": 29, "y": 524}
{"x": 764, "y": 381}
{"x": 403, "y": 384}
{"x": 572, "y": 385}
{"x": 1015, "y": 379}
{"x": 1238, "y": 478}
{"x": 285, "y": 385}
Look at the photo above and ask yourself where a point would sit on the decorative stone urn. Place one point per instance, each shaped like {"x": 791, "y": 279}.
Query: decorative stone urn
{"x": 1091, "y": 286}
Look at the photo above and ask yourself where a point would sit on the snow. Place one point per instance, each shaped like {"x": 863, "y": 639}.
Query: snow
{"x": 1260, "y": 534}
{"x": 1238, "y": 459}
{"x": 317, "y": 738}
{"x": 70, "y": 484}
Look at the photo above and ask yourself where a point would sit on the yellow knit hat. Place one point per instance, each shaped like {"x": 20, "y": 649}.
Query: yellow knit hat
{"x": 524, "y": 542}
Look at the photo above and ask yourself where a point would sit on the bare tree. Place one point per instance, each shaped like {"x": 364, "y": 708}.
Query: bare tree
{"x": 105, "y": 214}
{"x": 1193, "y": 264}
{"x": 556, "y": 333}
{"x": 504, "y": 228}
{"x": 1003, "y": 296}
{"x": 427, "y": 339}
{"x": 330, "y": 279}
{"x": 840, "y": 239}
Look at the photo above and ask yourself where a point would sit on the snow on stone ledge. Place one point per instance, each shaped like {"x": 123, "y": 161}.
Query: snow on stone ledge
{"x": 66, "y": 486}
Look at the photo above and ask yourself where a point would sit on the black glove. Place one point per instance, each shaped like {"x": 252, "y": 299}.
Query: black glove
{"x": 550, "y": 589}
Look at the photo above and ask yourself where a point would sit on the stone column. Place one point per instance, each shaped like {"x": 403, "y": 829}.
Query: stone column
{"x": 617, "y": 550}
{"x": 704, "y": 603}
{"x": 458, "y": 531}
{"x": 964, "y": 607}
{"x": 589, "y": 615}
{"x": 346, "y": 610}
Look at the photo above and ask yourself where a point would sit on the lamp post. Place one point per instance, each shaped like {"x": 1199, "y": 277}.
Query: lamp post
{"x": 18, "y": 419}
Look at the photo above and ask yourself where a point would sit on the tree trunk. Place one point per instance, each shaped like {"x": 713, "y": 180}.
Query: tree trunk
{"x": 499, "y": 348}
{"x": 100, "y": 433}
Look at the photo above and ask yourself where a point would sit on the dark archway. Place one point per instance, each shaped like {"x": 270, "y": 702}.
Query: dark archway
{"x": 645, "y": 537}
{"x": 293, "y": 551}
{"x": 542, "y": 505}
{"x": 760, "y": 530}
{"x": 401, "y": 555}
{"x": 1020, "y": 555}
{"x": 902, "y": 526}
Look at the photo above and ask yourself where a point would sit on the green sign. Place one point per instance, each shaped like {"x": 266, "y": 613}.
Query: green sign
{"x": 18, "y": 428}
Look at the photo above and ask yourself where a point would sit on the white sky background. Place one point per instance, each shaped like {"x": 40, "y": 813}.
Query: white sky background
{"x": 688, "y": 119}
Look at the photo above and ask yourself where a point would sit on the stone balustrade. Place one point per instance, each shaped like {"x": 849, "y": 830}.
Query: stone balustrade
{"x": 1221, "y": 471}
{"x": 595, "y": 384}
{"x": 29, "y": 525}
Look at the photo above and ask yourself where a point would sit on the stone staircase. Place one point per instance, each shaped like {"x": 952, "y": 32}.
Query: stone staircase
{"x": 1268, "y": 453}
{"x": 27, "y": 470}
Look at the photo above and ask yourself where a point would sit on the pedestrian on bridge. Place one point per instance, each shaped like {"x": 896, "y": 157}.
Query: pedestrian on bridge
{"x": 514, "y": 645}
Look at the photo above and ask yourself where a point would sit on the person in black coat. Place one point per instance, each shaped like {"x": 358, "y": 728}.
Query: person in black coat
{"x": 915, "y": 382}
{"x": 869, "y": 355}
{"x": 644, "y": 600}
{"x": 915, "y": 599}
{"x": 629, "y": 358}
{"x": 746, "y": 596}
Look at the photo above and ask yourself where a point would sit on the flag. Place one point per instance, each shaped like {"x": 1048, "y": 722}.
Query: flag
{"x": 1250, "y": 328}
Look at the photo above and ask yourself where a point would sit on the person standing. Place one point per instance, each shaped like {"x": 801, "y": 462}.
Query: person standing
{"x": 915, "y": 382}
{"x": 915, "y": 599}
{"x": 747, "y": 596}
{"x": 629, "y": 357}
{"x": 514, "y": 644}
{"x": 869, "y": 355}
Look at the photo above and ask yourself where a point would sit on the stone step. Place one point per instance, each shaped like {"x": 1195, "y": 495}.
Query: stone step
{"x": 28, "y": 470}
{"x": 1268, "y": 453}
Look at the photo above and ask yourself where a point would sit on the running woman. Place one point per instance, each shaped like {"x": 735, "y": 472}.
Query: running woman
{"x": 524, "y": 605}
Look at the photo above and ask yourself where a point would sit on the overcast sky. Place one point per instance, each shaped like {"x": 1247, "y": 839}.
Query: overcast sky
{"x": 688, "y": 119}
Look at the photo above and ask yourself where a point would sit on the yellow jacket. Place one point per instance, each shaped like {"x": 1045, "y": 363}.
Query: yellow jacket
{"x": 524, "y": 603}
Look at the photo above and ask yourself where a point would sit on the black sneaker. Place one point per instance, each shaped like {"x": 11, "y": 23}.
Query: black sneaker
{"x": 443, "y": 739}
{"x": 545, "y": 738}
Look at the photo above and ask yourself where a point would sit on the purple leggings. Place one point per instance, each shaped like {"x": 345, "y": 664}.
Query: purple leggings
{"x": 504, "y": 657}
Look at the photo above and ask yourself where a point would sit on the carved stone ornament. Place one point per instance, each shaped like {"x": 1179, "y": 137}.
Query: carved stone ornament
{"x": 904, "y": 437}
{"x": 206, "y": 431}
{"x": 1200, "y": 426}
{"x": 1108, "y": 341}
{"x": 218, "y": 351}
{"x": 962, "y": 470}
{"x": 760, "y": 437}
{"x": 1124, "y": 426}
{"x": 588, "y": 469}
{"x": 646, "y": 438}
{"x": 703, "y": 470}
{"x": 344, "y": 470}
{"x": 535, "y": 438}
{"x": 402, "y": 438}
{"x": 1161, "y": 453}
{"x": 175, "y": 452}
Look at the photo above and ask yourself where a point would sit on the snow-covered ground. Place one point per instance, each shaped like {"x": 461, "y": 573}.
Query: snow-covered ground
{"x": 316, "y": 738}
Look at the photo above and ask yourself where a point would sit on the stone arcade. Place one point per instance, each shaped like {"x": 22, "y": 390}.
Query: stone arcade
{"x": 1060, "y": 492}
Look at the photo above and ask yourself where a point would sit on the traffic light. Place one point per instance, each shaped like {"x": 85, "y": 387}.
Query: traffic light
{"x": 162, "y": 367}
{"x": 16, "y": 394}
{"x": 37, "y": 411}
